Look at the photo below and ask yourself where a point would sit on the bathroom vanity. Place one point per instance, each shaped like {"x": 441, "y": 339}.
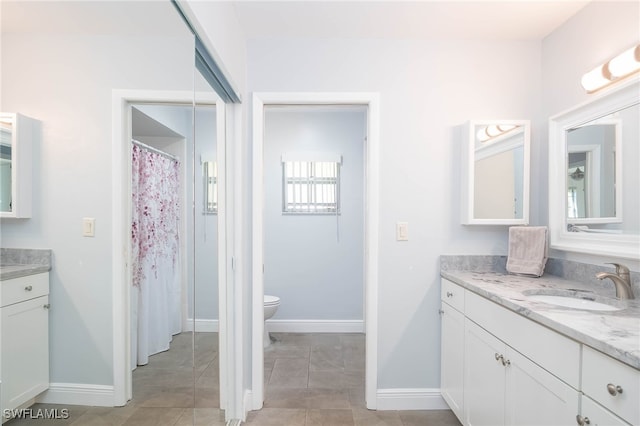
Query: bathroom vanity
{"x": 509, "y": 358}
{"x": 24, "y": 327}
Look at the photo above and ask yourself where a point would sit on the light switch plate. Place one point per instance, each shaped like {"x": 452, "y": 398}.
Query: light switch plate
{"x": 88, "y": 227}
{"x": 402, "y": 231}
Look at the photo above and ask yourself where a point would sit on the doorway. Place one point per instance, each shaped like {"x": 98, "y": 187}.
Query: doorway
{"x": 368, "y": 101}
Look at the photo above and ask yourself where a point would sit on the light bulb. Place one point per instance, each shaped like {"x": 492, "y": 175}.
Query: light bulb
{"x": 505, "y": 127}
{"x": 625, "y": 63}
{"x": 493, "y": 130}
{"x": 482, "y": 134}
{"x": 594, "y": 79}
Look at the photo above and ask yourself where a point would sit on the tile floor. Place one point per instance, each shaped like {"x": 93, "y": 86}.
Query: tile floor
{"x": 318, "y": 380}
{"x": 310, "y": 380}
{"x": 163, "y": 391}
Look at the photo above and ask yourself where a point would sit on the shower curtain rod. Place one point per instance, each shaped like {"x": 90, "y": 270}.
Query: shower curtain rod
{"x": 152, "y": 149}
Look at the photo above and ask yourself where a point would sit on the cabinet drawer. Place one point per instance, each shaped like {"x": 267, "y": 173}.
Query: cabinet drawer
{"x": 598, "y": 415}
{"x": 24, "y": 288}
{"x": 525, "y": 335}
{"x": 599, "y": 371}
{"x": 452, "y": 294}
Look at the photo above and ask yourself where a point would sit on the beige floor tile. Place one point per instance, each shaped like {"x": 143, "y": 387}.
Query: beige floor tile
{"x": 429, "y": 418}
{"x": 105, "y": 416}
{"x": 329, "y": 417}
{"x": 290, "y": 372}
{"x": 276, "y": 397}
{"x": 277, "y": 417}
{"x": 202, "y": 417}
{"x": 160, "y": 396}
{"x": 158, "y": 416}
{"x": 357, "y": 398}
{"x": 328, "y": 398}
{"x": 364, "y": 417}
{"x": 326, "y": 358}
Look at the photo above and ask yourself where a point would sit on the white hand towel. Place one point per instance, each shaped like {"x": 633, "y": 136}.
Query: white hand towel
{"x": 527, "y": 250}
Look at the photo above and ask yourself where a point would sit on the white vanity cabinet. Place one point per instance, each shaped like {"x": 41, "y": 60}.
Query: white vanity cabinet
{"x": 509, "y": 375}
{"x": 452, "y": 349}
{"x": 24, "y": 339}
{"x": 609, "y": 386}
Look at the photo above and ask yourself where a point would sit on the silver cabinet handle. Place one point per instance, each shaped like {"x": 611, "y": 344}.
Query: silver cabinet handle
{"x": 47, "y": 306}
{"x": 28, "y": 288}
{"x": 498, "y": 356}
{"x": 449, "y": 294}
{"x": 582, "y": 420}
{"x": 440, "y": 311}
{"x": 613, "y": 389}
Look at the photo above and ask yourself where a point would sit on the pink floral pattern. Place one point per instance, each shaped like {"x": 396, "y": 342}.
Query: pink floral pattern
{"x": 156, "y": 213}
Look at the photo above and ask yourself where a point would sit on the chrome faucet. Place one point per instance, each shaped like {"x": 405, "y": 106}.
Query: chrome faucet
{"x": 622, "y": 280}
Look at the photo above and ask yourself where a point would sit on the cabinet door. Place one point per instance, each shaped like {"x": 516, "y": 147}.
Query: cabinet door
{"x": 597, "y": 415}
{"x": 536, "y": 397}
{"x": 484, "y": 377}
{"x": 452, "y": 358}
{"x": 25, "y": 351}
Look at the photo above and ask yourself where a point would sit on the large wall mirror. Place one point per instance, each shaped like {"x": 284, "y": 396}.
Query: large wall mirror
{"x": 594, "y": 177}
{"x": 496, "y": 173}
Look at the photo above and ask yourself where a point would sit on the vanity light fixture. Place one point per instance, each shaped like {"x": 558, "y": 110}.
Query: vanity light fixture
{"x": 623, "y": 65}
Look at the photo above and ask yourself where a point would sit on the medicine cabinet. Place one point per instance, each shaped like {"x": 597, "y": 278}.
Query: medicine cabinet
{"x": 495, "y": 172}
{"x": 16, "y": 139}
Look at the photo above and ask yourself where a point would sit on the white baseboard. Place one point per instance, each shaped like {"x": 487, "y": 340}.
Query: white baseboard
{"x": 78, "y": 394}
{"x": 315, "y": 326}
{"x": 202, "y": 325}
{"x": 410, "y": 399}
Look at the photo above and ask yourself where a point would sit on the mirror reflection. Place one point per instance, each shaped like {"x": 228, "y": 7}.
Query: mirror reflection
{"x": 591, "y": 171}
{"x": 5, "y": 164}
{"x": 499, "y": 181}
{"x": 601, "y": 174}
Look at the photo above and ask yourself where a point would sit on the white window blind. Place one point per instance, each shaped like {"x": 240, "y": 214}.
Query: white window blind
{"x": 311, "y": 187}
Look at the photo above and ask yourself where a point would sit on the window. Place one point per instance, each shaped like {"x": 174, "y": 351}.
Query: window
{"x": 311, "y": 187}
{"x": 210, "y": 173}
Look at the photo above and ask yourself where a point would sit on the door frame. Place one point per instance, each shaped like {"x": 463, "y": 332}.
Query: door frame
{"x": 372, "y": 173}
{"x": 122, "y": 100}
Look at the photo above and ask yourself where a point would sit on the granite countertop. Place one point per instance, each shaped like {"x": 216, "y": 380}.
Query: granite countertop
{"x": 16, "y": 263}
{"x": 616, "y": 333}
{"x": 8, "y": 272}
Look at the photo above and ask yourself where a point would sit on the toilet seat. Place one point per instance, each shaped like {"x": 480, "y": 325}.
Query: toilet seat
{"x": 271, "y": 300}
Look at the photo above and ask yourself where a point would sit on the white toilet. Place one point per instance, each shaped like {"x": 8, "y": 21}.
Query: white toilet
{"x": 271, "y": 304}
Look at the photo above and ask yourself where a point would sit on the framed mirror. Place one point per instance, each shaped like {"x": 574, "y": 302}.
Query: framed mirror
{"x": 594, "y": 177}
{"x": 16, "y": 139}
{"x": 495, "y": 173}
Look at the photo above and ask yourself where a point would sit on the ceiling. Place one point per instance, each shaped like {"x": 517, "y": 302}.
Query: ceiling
{"x": 432, "y": 19}
{"x": 396, "y": 19}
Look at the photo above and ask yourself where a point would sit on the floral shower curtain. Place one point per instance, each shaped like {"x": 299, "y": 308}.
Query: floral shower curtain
{"x": 156, "y": 292}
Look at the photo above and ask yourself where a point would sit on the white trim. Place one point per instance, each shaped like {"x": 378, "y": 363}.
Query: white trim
{"x": 411, "y": 399}
{"x": 78, "y": 394}
{"x": 316, "y": 326}
{"x": 121, "y": 165}
{"x": 372, "y": 155}
{"x": 202, "y": 325}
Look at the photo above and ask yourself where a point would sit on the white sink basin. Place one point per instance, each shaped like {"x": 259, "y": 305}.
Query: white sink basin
{"x": 572, "y": 302}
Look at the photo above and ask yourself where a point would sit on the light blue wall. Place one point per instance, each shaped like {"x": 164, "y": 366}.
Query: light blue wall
{"x": 315, "y": 263}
